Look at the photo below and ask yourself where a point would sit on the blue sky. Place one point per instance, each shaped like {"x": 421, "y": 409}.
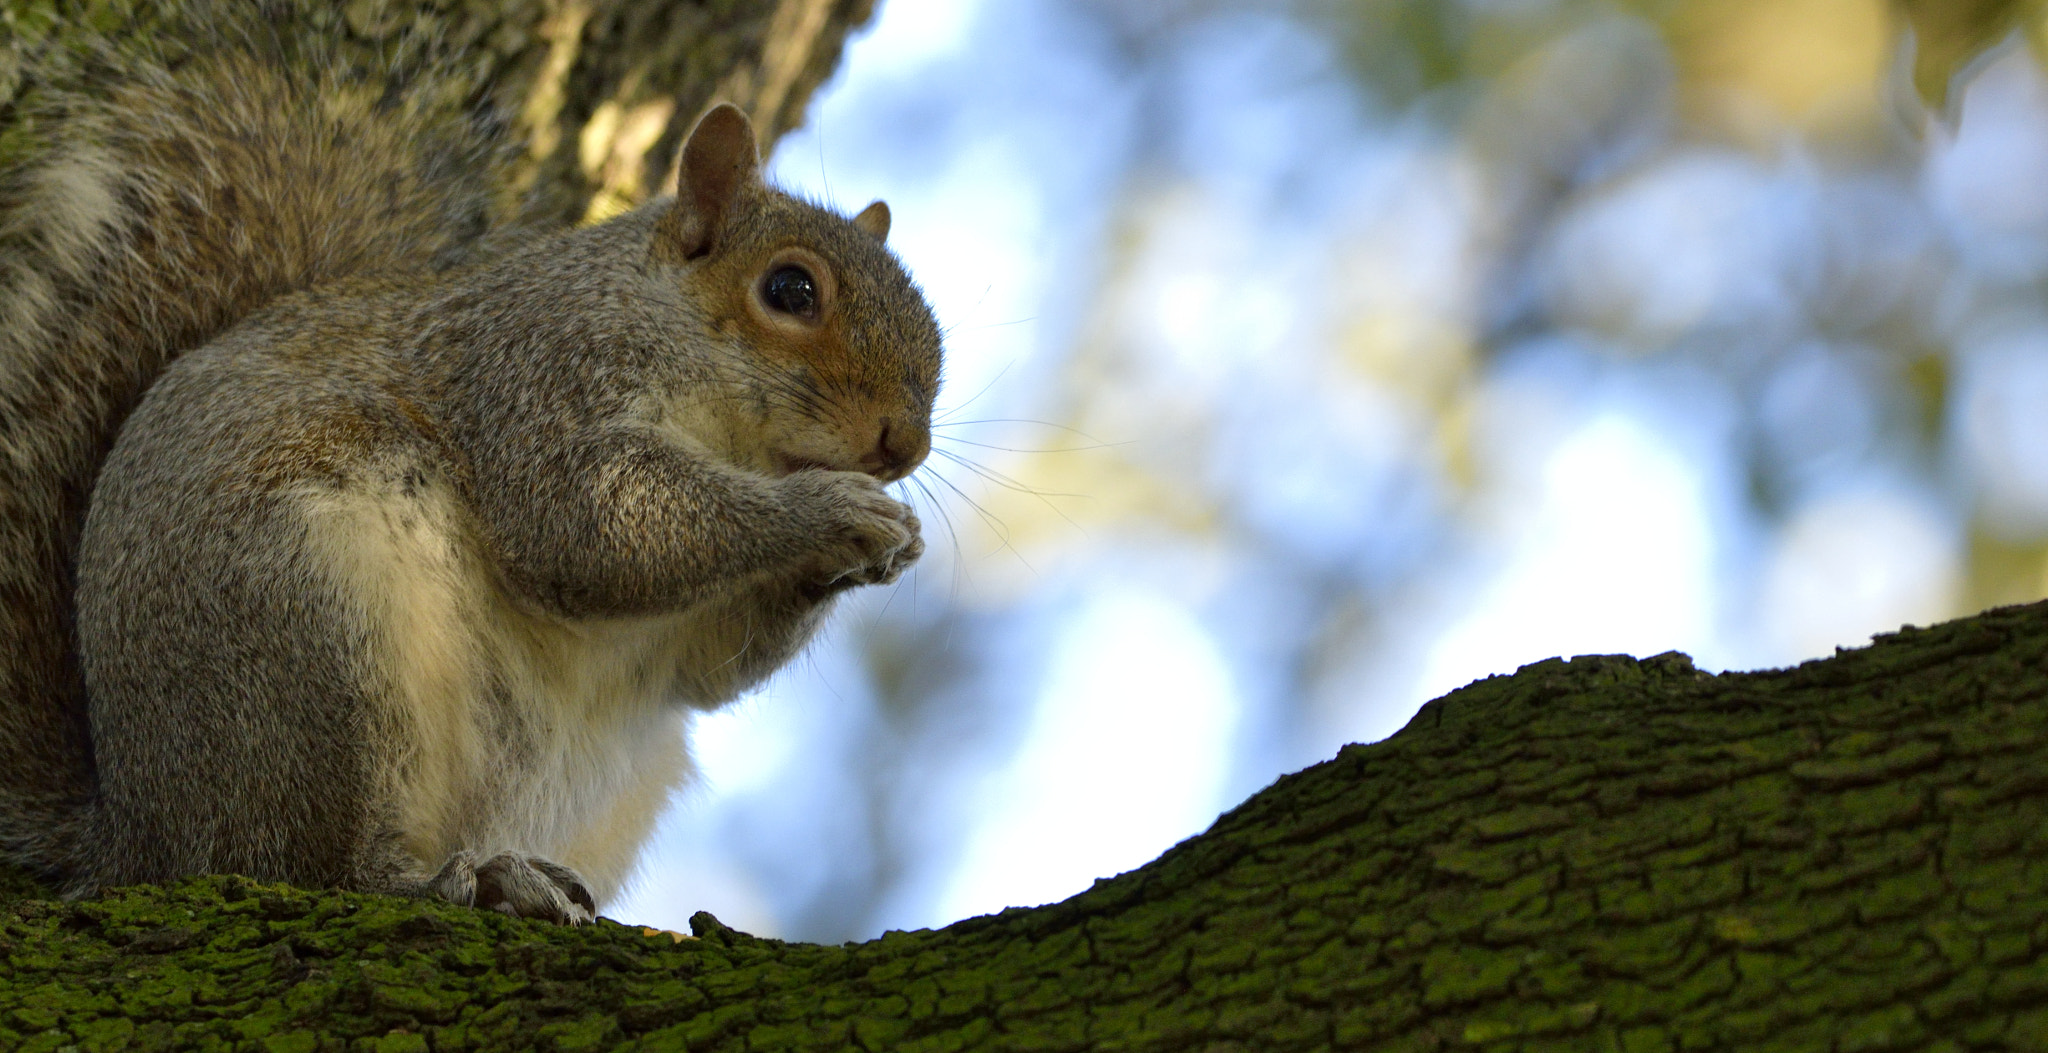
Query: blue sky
{"x": 1241, "y": 462}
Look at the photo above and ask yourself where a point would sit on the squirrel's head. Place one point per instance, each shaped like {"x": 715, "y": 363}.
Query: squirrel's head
{"x": 839, "y": 353}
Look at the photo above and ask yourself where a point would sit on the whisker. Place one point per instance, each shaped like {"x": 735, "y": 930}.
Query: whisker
{"x": 989, "y": 325}
{"x": 745, "y": 643}
{"x": 1027, "y": 449}
{"x": 930, "y": 504}
{"x": 977, "y": 395}
{"x": 886, "y": 602}
{"x": 1000, "y": 528}
{"x": 952, "y": 529}
{"x": 823, "y": 176}
{"x": 999, "y": 479}
{"x": 1018, "y": 420}
{"x": 978, "y": 301}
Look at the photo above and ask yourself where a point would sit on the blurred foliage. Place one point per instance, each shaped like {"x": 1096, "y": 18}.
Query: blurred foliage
{"x": 1404, "y": 48}
{"x": 1747, "y": 192}
{"x": 1333, "y": 291}
{"x": 1948, "y": 35}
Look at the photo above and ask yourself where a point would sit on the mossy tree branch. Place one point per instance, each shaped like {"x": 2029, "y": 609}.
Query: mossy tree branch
{"x": 1600, "y": 854}
{"x": 1596, "y": 854}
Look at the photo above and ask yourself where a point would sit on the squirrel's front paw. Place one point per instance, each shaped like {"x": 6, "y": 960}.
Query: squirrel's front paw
{"x": 890, "y": 565}
{"x": 523, "y": 886}
{"x": 868, "y": 537}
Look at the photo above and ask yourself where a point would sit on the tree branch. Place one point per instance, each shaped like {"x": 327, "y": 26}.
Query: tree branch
{"x": 1601, "y": 853}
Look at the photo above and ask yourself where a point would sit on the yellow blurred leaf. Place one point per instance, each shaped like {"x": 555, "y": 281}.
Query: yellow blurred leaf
{"x": 1801, "y": 58}
{"x": 1949, "y": 34}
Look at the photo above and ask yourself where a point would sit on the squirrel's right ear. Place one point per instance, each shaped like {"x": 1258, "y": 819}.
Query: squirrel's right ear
{"x": 875, "y": 220}
{"x": 718, "y": 160}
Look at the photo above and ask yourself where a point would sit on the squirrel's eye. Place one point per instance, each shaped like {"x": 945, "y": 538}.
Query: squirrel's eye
{"x": 791, "y": 290}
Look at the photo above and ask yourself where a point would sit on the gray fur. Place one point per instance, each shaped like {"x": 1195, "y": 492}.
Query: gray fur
{"x": 416, "y": 566}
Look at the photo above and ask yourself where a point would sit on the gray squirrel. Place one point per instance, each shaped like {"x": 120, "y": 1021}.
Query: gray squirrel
{"x": 346, "y": 541}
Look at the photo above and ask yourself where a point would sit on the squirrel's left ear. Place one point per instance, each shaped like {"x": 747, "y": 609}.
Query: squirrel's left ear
{"x": 718, "y": 160}
{"x": 875, "y": 220}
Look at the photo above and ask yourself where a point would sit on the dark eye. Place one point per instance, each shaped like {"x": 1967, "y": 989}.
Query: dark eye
{"x": 791, "y": 290}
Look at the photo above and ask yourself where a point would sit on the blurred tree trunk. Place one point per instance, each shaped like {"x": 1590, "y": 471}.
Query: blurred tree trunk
{"x": 1597, "y": 854}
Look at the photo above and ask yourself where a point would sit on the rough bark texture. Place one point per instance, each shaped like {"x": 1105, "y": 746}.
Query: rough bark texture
{"x": 599, "y": 92}
{"x": 1601, "y": 854}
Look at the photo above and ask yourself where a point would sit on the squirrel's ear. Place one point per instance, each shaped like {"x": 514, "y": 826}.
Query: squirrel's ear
{"x": 875, "y": 220}
{"x": 718, "y": 160}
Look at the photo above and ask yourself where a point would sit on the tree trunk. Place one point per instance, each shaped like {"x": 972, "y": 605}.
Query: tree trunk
{"x": 1598, "y": 854}
{"x": 599, "y": 93}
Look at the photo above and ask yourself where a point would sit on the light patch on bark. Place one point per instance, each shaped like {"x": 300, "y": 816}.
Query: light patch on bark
{"x": 793, "y": 36}
{"x": 539, "y": 117}
{"x": 612, "y": 146}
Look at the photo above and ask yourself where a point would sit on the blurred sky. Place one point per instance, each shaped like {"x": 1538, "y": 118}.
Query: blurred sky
{"x": 1297, "y": 375}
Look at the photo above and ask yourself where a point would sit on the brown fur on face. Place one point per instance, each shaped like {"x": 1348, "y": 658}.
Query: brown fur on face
{"x": 830, "y": 387}
{"x": 852, "y": 388}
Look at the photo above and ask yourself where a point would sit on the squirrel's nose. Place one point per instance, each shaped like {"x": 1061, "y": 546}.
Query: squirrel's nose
{"x": 898, "y": 450}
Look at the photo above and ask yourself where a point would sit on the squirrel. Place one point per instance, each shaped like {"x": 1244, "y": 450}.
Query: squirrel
{"x": 350, "y": 540}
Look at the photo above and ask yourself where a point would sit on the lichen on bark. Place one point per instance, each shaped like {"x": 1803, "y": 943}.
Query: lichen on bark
{"x": 1600, "y": 853}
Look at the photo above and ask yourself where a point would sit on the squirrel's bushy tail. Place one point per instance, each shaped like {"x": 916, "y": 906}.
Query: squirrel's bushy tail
{"x": 156, "y": 210}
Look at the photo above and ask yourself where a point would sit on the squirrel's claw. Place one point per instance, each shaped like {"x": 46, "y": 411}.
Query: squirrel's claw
{"x": 522, "y": 886}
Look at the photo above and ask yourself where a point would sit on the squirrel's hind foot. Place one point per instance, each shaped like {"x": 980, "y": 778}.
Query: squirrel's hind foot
{"x": 522, "y": 886}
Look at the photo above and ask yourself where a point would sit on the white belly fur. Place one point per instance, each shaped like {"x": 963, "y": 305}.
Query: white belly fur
{"x": 576, "y": 754}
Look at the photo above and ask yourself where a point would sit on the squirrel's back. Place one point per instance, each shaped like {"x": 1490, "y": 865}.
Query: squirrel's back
{"x": 154, "y": 214}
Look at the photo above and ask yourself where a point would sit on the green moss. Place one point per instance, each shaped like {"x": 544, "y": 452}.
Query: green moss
{"x": 1396, "y": 897}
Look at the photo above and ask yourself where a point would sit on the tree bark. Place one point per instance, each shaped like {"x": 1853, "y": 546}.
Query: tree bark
{"x": 1603, "y": 854}
{"x": 598, "y": 93}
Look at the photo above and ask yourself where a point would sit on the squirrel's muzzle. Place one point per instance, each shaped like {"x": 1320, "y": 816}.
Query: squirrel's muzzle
{"x": 899, "y": 448}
